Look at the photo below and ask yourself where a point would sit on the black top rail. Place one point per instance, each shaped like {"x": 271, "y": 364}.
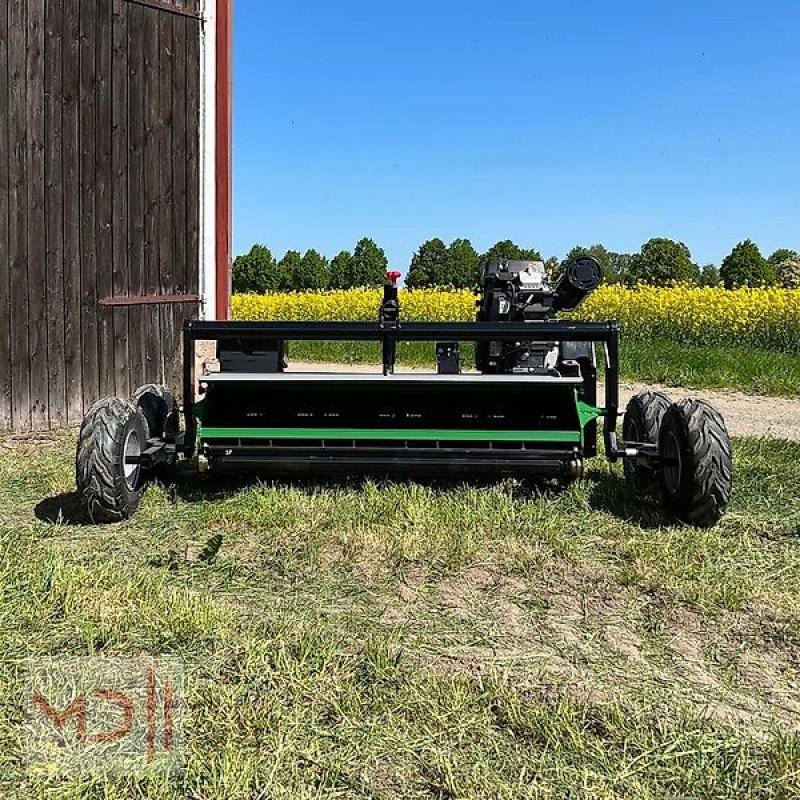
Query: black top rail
{"x": 544, "y": 331}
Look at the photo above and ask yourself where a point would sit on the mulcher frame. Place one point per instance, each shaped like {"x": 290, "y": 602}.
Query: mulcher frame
{"x": 388, "y": 332}
{"x": 519, "y": 415}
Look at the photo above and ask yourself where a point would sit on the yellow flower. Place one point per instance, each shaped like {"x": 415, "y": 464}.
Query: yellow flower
{"x": 763, "y": 317}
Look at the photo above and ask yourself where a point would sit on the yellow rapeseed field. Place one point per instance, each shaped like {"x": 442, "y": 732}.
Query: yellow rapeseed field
{"x": 768, "y": 317}
{"x": 434, "y": 305}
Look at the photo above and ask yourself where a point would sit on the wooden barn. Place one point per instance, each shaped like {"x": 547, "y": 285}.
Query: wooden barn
{"x": 115, "y": 199}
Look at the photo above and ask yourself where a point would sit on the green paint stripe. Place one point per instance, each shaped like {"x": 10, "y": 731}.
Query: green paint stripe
{"x": 206, "y": 434}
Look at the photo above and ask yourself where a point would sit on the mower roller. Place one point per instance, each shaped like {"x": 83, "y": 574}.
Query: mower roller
{"x": 528, "y": 410}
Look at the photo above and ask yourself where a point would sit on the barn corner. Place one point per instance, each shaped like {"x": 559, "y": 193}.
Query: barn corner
{"x": 115, "y": 196}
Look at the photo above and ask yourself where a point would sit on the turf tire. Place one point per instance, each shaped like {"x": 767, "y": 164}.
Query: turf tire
{"x": 109, "y": 426}
{"x": 161, "y": 413}
{"x": 641, "y": 423}
{"x": 157, "y": 404}
{"x": 697, "y": 466}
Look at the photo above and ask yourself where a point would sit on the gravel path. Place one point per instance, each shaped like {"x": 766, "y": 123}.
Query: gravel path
{"x": 745, "y": 414}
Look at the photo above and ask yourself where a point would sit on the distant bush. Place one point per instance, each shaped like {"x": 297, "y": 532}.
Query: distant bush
{"x": 709, "y": 276}
{"x": 661, "y": 262}
{"x": 788, "y": 273}
{"x": 256, "y": 272}
{"x": 745, "y": 266}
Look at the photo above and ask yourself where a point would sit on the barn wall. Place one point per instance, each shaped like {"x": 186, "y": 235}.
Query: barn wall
{"x": 99, "y": 200}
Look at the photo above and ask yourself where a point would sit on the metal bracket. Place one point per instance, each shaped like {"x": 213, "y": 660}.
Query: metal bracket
{"x": 389, "y": 322}
{"x": 150, "y": 300}
{"x": 169, "y": 7}
{"x": 157, "y": 452}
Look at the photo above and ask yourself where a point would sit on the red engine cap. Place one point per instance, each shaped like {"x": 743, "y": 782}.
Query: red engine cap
{"x": 393, "y": 277}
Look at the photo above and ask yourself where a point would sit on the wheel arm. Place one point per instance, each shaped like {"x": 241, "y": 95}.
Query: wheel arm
{"x": 612, "y": 393}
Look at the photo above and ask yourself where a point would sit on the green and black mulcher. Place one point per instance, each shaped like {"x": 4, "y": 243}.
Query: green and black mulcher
{"x": 530, "y": 408}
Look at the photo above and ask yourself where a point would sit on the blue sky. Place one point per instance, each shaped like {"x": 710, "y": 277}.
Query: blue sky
{"x": 552, "y": 123}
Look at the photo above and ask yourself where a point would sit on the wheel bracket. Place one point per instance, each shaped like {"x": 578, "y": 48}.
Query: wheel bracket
{"x": 157, "y": 452}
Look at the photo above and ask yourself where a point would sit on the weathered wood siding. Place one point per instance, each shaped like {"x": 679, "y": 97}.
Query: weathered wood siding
{"x": 99, "y": 199}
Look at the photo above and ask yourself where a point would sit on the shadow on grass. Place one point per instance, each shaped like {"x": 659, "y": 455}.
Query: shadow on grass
{"x": 609, "y": 492}
{"x": 606, "y": 492}
{"x": 63, "y": 509}
{"x": 202, "y": 488}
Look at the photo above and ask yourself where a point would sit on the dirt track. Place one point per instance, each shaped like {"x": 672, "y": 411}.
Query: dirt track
{"x": 745, "y": 414}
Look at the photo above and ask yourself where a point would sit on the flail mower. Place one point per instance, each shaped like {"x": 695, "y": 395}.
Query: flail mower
{"x": 529, "y": 409}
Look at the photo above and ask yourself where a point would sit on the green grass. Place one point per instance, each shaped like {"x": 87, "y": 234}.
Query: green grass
{"x": 403, "y": 640}
{"x": 747, "y": 369}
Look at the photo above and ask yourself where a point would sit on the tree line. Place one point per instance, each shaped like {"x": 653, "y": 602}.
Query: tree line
{"x": 659, "y": 262}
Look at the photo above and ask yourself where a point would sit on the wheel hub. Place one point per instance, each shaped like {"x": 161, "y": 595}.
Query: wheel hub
{"x": 132, "y": 450}
{"x": 672, "y": 464}
{"x": 630, "y": 433}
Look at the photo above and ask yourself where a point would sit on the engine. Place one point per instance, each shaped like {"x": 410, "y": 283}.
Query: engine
{"x": 522, "y": 291}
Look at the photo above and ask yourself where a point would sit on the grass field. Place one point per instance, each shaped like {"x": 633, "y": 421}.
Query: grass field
{"x": 748, "y": 369}
{"x": 424, "y": 641}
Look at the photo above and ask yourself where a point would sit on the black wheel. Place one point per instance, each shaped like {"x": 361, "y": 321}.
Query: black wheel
{"x": 113, "y": 431}
{"x": 157, "y": 404}
{"x": 642, "y": 423}
{"x": 696, "y": 473}
{"x": 161, "y": 414}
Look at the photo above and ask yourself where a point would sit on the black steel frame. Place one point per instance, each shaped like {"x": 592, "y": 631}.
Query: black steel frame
{"x": 391, "y": 331}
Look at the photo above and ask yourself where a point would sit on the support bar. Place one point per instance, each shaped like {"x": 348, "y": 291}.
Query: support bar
{"x": 551, "y": 330}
